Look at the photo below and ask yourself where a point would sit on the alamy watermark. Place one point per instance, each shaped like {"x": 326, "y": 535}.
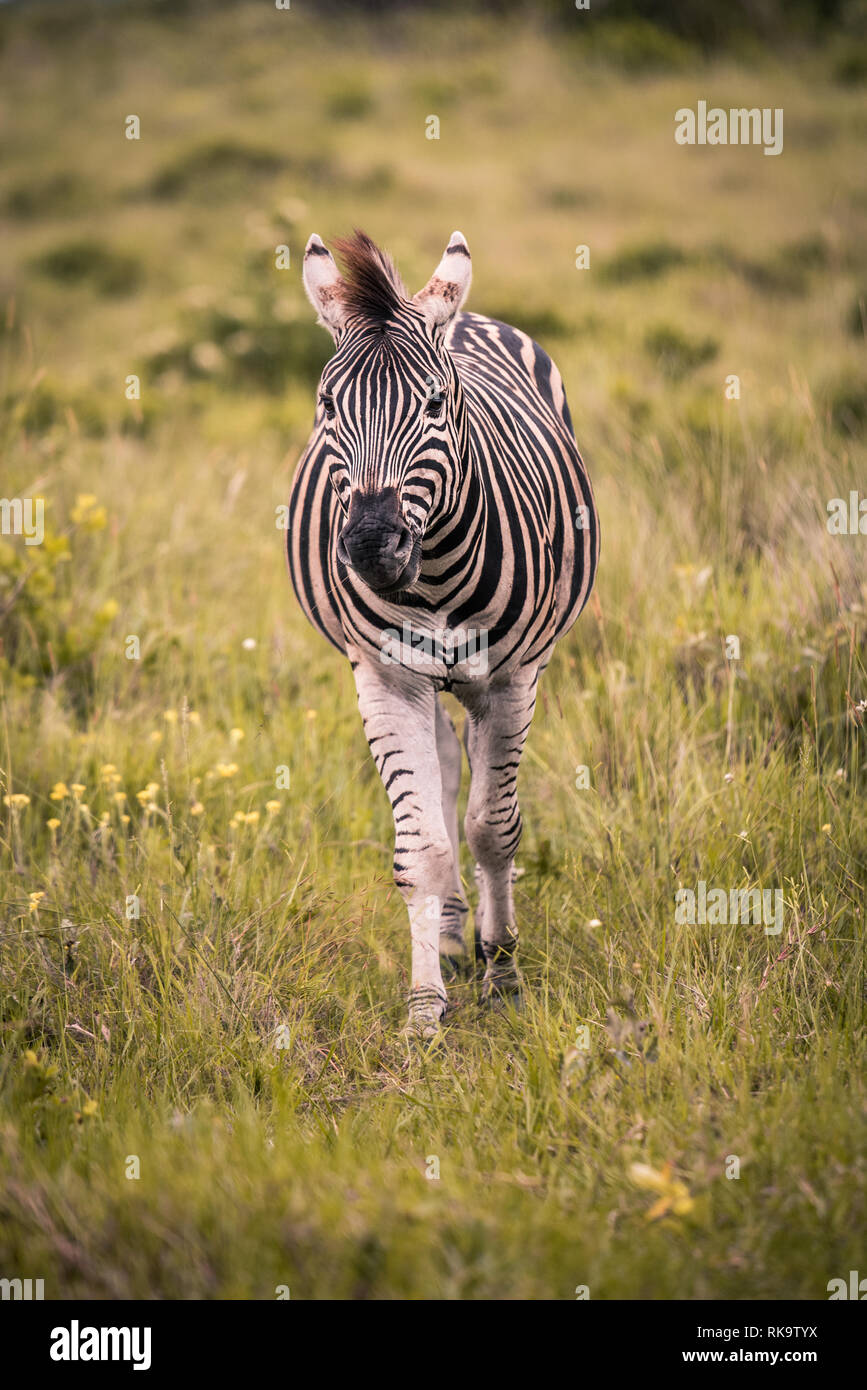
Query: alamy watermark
{"x": 738, "y": 126}
{"x": 847, "y": 519}
{"x": 855, "y": 1288}
{"x": 419, "y": 647}
{"x": 27, "y": 1290}
{"x": 77, "y": 1343}
{"x": 23, "y": 516}
{"x": 734, "y": 907}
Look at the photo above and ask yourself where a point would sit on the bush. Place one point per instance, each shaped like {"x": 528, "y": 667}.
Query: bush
{"x": 785, "y": 271}
{"x": 847, "y": 404}
{"x": 215, "y": 160}
{"x": 850, "y": 65}
{"x": 44, "y": 634}
{"x": 244, "y": 343}
{"x": 91, "y": 263}
{"x": 349, "y": 102}
{"x": 537, "y": 323}
{"x": 676, "y": 354}
{"x": 637, "y": 46}
{"x": 645, "y": 261}
{"x": 54, "y": 195}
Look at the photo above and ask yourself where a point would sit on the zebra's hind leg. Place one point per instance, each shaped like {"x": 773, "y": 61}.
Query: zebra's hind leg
{"x": 479, "y": 914}
{"x": 479, "y": 910}
{"x": 499, "y": 721}
{"x": 453, "y": 947}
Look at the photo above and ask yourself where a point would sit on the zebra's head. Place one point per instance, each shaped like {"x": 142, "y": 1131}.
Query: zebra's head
{"x": 390, "y": 402}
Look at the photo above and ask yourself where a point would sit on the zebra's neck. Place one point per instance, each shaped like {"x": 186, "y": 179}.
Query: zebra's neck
{"x": 455, "y": 534}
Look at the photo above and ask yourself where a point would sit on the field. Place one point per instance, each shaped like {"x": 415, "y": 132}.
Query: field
{"x": 204, "y": 1091}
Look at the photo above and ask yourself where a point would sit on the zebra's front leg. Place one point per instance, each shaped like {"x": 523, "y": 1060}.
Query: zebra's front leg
{"x": 498, "y": 723}
{"x": 398, "y": 710}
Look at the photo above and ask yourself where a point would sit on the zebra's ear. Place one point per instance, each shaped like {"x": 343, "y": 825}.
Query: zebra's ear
{"x": 449, "y": 285}
{"x": 323, "y": 282}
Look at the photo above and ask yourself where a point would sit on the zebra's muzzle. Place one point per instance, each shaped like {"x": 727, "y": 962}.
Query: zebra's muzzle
{"x": 376, "y": 543}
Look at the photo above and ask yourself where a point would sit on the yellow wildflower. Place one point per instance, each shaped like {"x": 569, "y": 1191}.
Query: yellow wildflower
{"x": 84, "y": 503}
{"x": 17, "y": 801}
{"x": 673, "y": 1196}
{"x": 59, "y": 792}
{"x": 86, "y": 512}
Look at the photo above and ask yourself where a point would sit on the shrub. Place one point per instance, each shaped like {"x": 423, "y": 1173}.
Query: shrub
{"x": 44, "y": 634}
{"x": 645, "y": 261}
{"x": 349, "y": 102}
{"x": 92, "y": 263}
{"x": 676, "y": 354}
{"x": 214, "y": 160}
{"x": 847, "y": 403}
{"x": 538, "y": 323}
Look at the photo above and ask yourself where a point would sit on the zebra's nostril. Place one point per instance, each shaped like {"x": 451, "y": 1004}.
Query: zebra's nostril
{"x": 402, "y": 544}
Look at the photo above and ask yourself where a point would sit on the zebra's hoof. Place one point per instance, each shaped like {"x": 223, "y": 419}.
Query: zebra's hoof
{"x": 419, "y": 1033}
{"x": 426, "y": 1010}
{"x": 502, "y": 989}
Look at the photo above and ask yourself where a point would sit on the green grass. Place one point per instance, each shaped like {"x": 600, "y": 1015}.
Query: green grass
{"x": 304, "y": 1164}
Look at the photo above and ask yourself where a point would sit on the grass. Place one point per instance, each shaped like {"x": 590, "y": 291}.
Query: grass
{"x": 203, "y": 1090}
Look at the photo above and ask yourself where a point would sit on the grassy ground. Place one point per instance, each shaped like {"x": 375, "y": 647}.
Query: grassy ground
{"x": 239, "y": 1038}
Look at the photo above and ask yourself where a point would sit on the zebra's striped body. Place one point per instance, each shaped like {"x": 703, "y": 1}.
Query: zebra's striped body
{"x": 443, "y": 535}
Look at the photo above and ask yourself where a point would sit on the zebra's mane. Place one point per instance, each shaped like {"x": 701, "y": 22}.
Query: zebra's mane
{"x": 371, "y": 284}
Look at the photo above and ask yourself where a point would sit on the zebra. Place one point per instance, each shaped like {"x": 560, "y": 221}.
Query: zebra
{"x": 442, "y": 534}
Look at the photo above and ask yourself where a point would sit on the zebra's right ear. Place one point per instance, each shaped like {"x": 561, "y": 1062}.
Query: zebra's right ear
{"x": 323, "y": 283}
{"x": 449, "y": 285}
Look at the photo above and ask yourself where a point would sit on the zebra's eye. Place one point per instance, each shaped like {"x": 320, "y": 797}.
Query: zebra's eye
{"x": 433, "y": 407}
{"x": 327, "y": 403}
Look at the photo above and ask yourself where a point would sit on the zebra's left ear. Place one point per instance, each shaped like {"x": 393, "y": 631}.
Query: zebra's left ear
{"x": 323, "y": 282}
{"x": 449, "y": 285}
